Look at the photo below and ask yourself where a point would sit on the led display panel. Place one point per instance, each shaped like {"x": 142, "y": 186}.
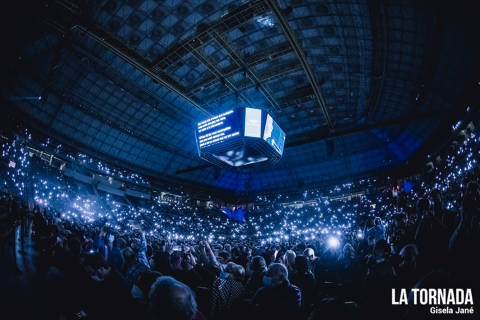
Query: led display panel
{"x": 274, "y": 135}
{"x": 218, "y": 129}
{"x": 253, "y": 122}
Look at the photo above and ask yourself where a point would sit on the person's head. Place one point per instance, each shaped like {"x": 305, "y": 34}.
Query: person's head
{"x": 128, "y": 255}
{"x": 120, "y": 243}
{"x": 229, "y": 266}
{"x": 227, "y": 247}
{"x": 377, "y": 221}
{"x": 348, "y": 251}
{"x": 301, "y": 264}
{"x": 371, "y": 240}
{"x": 170, "y": 299}
{"x": 142, "y": 285}
{"x": 436, "y": 196}
{"x": 309, "y": 253}
{"x": 424, "y": 206}
{"x": 96, "y": 267}
{"x": 176, "y": 260}
{"x": 471, "y": 198}
{"x": 381, "y": 248}
{"x": 235, "y": 253}
{"x": 237, "y": 271}
{"x": 276, "y": 276}
{"x": 300, "y": 247}
{"x": 290, "y": 257}
{"x": 189, "y": 260}
{"x": 409, "y": 254}
{"x": 258, "y": 264}
{"x": 471, "y": 190}
{"x": 400, "y": 220}
{"x": 223, "y": 257}
{"x": 74, "y": 246}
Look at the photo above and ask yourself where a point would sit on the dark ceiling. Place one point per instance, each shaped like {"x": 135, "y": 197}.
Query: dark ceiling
{"x": 358, "y": 86}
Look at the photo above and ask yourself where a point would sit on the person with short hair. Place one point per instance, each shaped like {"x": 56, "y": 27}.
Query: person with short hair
{"x": 227, "y": 291}
{"x": 258, "y": 268}
{"x": 408, "y": 272}
{"x": 304, "y": 279}
{"x": 170, "y": 299}
{"x": 378, "y": 230}
{"x": 278, "y": 298}
{"x": 309, "y": 253}
{"x": 289, "y": 258}
{"x": 140, "y": 261}
{"x": 100, "y": 292}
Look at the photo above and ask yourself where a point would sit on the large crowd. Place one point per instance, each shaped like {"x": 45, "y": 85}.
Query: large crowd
{"x": 329, "y": 254}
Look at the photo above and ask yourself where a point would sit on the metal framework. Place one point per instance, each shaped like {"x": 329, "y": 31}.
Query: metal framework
{"x": 71, "y": 18}
{"x": 140, "y": 92}
{"x": 140, "y": 66}
{"x": 378, "y": 22}
{"x": 239, "y": 61}
{"x": 114, "y": 124}
{"x": 202, "y": 57}
{"x": 194, "y": 44}
{"x": 59, "y": 50}
{"x": 133, "y": 88}
{"x": 301, "y": 56}
{"x": 230, "y": 20}
{"x": 251, "y": 60}
{"x": 268, "y": 75}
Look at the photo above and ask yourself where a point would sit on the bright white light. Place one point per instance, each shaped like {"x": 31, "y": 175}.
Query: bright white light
{"x": 457, "y": 125}
{"x": 253, "y": 121}
{"x": 266, "y": 21}
{"x": 333, "y": 242}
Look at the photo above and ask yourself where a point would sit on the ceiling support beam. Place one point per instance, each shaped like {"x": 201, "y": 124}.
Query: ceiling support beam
{"x": 136, "y": 90}
{"x": 378, "y": 25}
{"x": 252, "y": 60}
{"x": 232, "y": 19}
{"x": 140, "y": 66}
{"x": 301, "y": 56}
{"x": 59, "y": 51}
{"x": 246, "y": 69}
{"x": 201, "y": 56}
{"x": 67, "y": 17}
{"x": 86, "y": 107}
{"x": 267, "y": 76}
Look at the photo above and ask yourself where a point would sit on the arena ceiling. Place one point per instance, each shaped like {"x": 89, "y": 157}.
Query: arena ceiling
{"x": 358, "y": 86}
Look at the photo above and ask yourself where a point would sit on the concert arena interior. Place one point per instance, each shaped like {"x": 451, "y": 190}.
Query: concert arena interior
{"x": 239, "y": 159}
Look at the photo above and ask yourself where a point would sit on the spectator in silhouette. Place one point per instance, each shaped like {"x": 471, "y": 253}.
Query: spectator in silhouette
{"x": 170, "y": 299}
{"x": 278, "y": 298}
